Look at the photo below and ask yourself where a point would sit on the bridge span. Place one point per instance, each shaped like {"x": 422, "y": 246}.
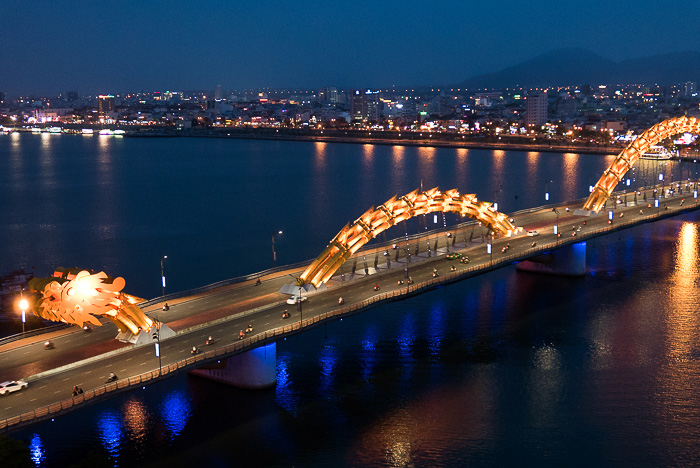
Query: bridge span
{"x": 85, "y": 359}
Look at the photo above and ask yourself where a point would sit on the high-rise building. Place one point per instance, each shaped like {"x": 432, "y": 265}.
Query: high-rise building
{"x": 218, "y": 93}
{"x": 328, "y": 96}
{"x": 688, "y": 89}
{"x": 105, "y": 103}
{"x": 365, "y": 106}
{"x": 72, "y": 96}
{"x": 536, "y": 108}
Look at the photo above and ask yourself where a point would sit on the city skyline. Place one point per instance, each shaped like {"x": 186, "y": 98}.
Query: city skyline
{"x": 49, "y": 49}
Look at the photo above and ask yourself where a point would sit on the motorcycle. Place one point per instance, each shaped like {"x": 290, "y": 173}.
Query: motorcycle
{"x": 87, "y": 328}
{"x": 249, "y": 329}
{"x": 48, "y": 345}
{"x": 340, "y": 300}
{"x": 453, "y": 268}
{"x": 166, "y": 307}
{"x": 410, "y": 280}
{"x": 210, "y": 341}
{"x": 285, "y": 315}
{"x": 258, "y": 282}
{"x": 194, "y": 350}
{"x": 376, "y": 287}
{"x": 112, "y": 377}
{"x": 241, "y": 335}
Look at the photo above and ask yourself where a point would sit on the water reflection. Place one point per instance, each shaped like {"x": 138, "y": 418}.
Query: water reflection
{"x": 328, "y": 361}
{"x": 137, "y": 420}
{"x": 111, "y": 432}
{"x": 285, "y": 395}
{"x": 176, "y": 410}
{"x": 36, "y": 449}
{"x": 570, "y": 175}
{"x": 683, "y": 294}
{"x": 436, "y": 327}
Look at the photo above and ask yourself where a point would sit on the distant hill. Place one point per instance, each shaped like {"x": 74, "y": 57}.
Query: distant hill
{"x": 575, "y": 66}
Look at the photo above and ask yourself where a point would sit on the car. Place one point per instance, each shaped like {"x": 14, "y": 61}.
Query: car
{"x": 453, "y": 256}
{"x": 295, "y": 299}
{"x": 12, "y": 386}
{"x": 533, "y": 233}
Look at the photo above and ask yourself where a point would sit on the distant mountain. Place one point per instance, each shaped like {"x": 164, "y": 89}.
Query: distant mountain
{"x": 575, "y": 66}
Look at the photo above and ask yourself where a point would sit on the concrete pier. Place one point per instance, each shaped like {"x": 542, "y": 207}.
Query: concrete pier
{"x": 566, "y": 261}
{"x": 254, "y": 369}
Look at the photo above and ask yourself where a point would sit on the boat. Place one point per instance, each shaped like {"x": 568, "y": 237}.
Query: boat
{"x": 659, "y": 152}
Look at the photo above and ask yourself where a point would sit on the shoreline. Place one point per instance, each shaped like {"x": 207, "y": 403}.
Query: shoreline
{"x": 358, "y": 137}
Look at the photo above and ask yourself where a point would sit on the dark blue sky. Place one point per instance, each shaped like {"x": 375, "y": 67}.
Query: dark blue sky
{"x": 95, "y": 46}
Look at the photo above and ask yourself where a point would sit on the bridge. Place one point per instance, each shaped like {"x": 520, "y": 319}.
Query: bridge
{"x": 492, "y": 240}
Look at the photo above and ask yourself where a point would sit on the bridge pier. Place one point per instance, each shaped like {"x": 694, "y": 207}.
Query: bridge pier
{"x": 254, "y": 369}
{"x": 566, "y": 261}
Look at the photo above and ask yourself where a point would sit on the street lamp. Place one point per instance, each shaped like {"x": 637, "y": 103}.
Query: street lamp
{"x": 156, "y": 336}
{"x": 556, "y": 226}
{"x": 162, "y": 275}
{"x": 274, "y": 254}
{"x": 23, "y": 306}
{"x": 489, "y": 248}
{"x": 495, "y": 205}
{"x": 546, "y": 191}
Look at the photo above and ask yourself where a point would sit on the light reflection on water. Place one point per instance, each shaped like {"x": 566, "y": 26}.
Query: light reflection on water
{"x": 176, "y": 411}
{"x": 504, "y": 369}
{"x": 36, "y": 449}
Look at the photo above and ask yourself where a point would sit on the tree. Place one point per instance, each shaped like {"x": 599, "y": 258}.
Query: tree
{"x": 14, "y": 454}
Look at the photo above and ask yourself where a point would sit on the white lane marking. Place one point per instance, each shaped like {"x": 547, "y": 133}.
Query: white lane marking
{"x": 33, "y": 399}
{"x": 67, "y": 378}
{"x": 87, "y": 372}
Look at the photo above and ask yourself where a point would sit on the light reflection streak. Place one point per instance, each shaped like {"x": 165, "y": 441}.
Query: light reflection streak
{"x": 426, "y": 165}
{"x": 570, "y": 175}
{"x": 683, "y": 293}
{"x": 284, "y": 393}
{"x": 176, "y": 410}
{"x": 545, "y": 385}
{"x": 499, "y": 160}
{"x": 461, "y": 171}
{"x": 436, "y": 327}
{"x": 36, "y": 449}
{"x": 109, "y": 425}
{"x": 328, "y": 361}
{"x": 368, "y": 357}
{"x": 137, "y": 421}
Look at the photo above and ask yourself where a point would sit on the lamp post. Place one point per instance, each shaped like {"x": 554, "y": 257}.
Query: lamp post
{"x": 495, "y": 204}
{"x": 156, "y": 336}
{"x": 274, "y": 254}
{"x": 23, "y": 306}
{"x": 162, "y": 275}
{"x": 546, "y": 191}
{"x": 489, "y": 248}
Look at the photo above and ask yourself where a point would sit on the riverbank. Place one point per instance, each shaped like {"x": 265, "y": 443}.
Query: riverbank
{"x": 350, "y": 136}
{"x": 392, "y": 138}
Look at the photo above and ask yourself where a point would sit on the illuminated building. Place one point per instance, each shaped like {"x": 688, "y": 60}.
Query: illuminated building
{"x": 536, "y": 108}
{"x": 105, "y": 103}
{"x": 365, "y": 106}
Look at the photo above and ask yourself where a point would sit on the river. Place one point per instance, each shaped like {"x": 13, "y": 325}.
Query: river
{"x": 500, "y": 370}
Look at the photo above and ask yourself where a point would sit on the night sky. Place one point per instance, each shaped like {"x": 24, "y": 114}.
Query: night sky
{"x": 49, "y": 47}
